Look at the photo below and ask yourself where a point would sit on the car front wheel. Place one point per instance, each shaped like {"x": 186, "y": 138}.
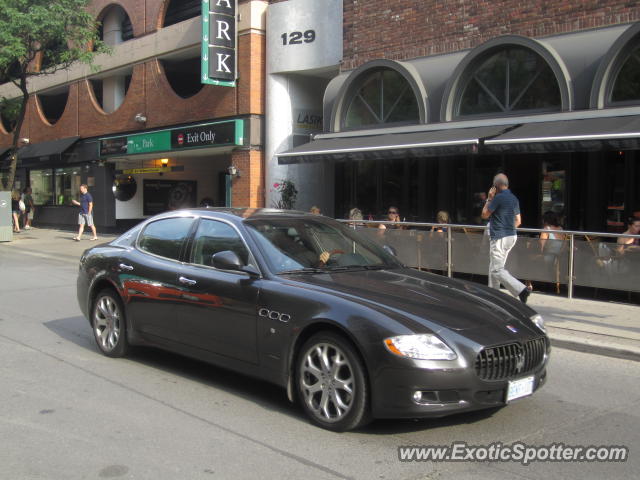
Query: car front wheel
{"x": 108, "y": 322}
{"x": 331, "y": 383}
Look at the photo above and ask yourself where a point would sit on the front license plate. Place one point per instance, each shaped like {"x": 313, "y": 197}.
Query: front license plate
{"x": 520, "y": 388}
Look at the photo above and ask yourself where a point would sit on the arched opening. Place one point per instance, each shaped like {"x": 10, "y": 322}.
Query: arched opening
{"x": 9, "y": 112}
{"x": 183, "y": 75}
{"x": 115, "y": 26}
{"x": 378, "y": 97}
{"x": 53, "y": 102}
{"x": 51, "y": 54}
{"x": 507, "y": 80}
{"x": 110, "y": 91}
{"x": 181, "y": 10}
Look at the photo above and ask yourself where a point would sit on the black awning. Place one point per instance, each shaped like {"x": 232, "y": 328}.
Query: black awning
{"x": 589, "y": 134}
{"x": 427, "y": 143}
{"x": 44, "y": 152}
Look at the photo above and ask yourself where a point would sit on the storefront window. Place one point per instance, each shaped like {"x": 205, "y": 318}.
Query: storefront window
{"x": 615, "y": 192}
{"x": 42, "y": 186}
{"x": 383, "y": 96}
{"x": 67, "y": 184}
{"x": 553, "y": 187}
{"x": 626, "y": 87}
{"x": 509, "y": 81}
{"x": 55, "y": 186}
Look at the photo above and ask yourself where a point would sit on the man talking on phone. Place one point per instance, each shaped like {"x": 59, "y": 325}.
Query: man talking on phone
{"x": 503, "y": 210}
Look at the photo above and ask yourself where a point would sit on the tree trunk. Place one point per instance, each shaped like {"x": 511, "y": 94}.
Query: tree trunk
{"x": 13, "y": 151}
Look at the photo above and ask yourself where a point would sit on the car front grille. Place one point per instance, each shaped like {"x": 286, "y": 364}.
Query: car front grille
{"x": 513, "y": 359}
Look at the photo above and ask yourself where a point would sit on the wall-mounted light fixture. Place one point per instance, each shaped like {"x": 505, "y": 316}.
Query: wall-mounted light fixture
{"x": 25, "y": 141}
{"x": 164, "y": 162}
{"x": 140, "y": 118}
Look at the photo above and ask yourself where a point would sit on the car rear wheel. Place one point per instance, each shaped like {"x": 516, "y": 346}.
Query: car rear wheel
{"x": 108, "y": 322}
{"x": 331, "y": 383}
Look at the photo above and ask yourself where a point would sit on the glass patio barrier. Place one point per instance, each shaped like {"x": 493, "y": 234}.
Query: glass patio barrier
{"x": 421, "y": 249}
{"x": 604, "y": 264}
{"x": 596, "y": 261}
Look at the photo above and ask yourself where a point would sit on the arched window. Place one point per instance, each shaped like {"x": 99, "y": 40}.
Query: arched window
{"x": 115, "y": 26}
{"x": 510, "y": 80}
{"x": 626, "y": 84}
{"x": 380, "y": 97}
{"x": 53, "y": 103}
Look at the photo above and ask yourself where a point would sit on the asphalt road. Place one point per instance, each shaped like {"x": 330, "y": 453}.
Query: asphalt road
{"x": 70, "y": 413}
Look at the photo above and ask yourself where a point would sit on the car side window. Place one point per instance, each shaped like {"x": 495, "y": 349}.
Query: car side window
{"x": 166, "y": 237}
{"x": 213, "y": 237}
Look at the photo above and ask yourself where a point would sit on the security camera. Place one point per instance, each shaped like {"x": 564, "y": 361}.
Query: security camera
{"x": 233, "y": 171}
{"x": 140, "y": 118}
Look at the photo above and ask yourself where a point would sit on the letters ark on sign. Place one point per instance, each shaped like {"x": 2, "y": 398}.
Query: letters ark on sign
{"x": 222, "y": 40}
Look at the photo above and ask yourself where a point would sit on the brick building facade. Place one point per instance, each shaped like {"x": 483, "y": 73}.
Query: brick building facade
{"x": 163, "y": 37}
{"x": 546, "y": 91}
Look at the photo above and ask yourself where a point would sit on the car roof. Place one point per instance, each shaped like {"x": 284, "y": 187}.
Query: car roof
{"x": 239, "y": 213}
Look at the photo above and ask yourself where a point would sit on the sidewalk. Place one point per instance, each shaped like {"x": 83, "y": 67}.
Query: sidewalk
{"x": 604, "y": 328}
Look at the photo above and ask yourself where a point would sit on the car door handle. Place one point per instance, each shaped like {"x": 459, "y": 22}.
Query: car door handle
{"x": 125, "y": 267}
{"x": 186, "y": 281}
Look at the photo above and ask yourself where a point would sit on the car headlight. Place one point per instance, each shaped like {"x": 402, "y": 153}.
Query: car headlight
{"x": 538, "y": 321}
{"x": 422, "y": 347}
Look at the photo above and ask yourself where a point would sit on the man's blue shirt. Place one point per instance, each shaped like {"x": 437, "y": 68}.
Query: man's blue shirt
{"x": 505, "y": 207}
{"x": 85, "y": 200}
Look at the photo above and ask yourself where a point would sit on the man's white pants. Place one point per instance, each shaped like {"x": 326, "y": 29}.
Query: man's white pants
{"x": 498, "y": 251}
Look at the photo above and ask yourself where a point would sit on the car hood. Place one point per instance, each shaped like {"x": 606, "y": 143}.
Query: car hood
{"x": 454, "y": 304}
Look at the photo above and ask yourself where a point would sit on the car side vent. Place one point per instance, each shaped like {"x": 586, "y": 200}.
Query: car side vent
{"x": 510, "y": 360}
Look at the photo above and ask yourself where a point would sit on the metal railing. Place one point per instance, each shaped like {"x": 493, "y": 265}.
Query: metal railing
{"x": 589, "y": 259}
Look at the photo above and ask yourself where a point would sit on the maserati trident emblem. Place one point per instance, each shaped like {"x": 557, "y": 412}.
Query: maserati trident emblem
{"x": 512, "y": 328}
{"x": 520, "y": 363}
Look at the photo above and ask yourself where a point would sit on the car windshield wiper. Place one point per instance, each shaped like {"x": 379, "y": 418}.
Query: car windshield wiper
{"x": 303, "y": 270}
{"x": 355, "y": 267}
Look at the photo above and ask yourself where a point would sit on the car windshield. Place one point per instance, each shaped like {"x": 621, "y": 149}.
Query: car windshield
{"x": 309, "y": 245}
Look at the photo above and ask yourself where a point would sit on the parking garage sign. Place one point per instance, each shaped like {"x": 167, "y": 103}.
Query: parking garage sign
{"x": 219, "y": 42}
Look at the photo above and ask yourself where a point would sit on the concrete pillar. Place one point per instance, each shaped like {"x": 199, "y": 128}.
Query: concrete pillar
{"x": 113, "y": 88}
{"x": 314, "y": 181}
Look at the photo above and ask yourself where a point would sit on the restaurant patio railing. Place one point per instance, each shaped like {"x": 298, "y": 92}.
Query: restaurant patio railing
{"x": 588, "y": 259}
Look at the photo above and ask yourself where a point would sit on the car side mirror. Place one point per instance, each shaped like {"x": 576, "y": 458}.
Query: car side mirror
{"x": 229, "y": 260}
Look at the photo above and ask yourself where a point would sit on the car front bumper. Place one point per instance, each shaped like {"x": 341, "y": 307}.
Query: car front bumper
{"x": 444, "y": 391}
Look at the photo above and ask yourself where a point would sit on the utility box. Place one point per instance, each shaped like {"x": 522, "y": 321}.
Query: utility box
{"x": 6, "y": 225}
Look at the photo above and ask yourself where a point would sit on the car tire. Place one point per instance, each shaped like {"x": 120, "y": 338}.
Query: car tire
{"x": 109, "y": 324}
{"x": 331, "y": 383}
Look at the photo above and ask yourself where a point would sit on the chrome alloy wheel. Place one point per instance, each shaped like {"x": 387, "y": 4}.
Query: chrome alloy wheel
{"x": 106, "y": 321}
{"x": 327, "y": 382}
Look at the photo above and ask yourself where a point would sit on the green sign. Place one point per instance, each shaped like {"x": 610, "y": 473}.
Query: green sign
{"x": 213, "y": 134}
{"x": 149, "y": 142}
{"x": 219, "y": 42}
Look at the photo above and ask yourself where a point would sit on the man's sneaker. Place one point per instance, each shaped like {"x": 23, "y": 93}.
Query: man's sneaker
{"x": 524, "y": 295}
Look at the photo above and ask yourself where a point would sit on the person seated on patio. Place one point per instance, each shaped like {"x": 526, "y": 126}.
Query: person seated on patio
{"x": 441, "y": 217}
{"x": 550, "y": 241}
{"x": 625, "y": 243}
{"x": 393, "y": 215}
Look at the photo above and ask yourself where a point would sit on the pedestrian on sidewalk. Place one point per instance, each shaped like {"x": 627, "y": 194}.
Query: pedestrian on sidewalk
{"x": 85, "y": 216}
{"x": 502, "y": 208}
{"x": 27, "y": 197}
{"x": 16, "y": 210}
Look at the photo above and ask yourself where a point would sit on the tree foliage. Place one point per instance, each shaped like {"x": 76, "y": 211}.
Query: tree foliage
{"x": 52, "y": 34}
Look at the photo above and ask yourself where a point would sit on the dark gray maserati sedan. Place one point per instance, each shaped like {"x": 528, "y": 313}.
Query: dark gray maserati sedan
{"x": 303, "y": 301}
